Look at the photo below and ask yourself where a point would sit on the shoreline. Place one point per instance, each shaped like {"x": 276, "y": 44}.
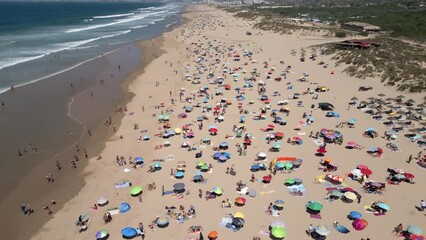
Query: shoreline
{"x": 75, "y": 107}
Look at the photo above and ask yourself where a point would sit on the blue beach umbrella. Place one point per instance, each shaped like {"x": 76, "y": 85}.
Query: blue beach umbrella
{"x": 352, "y": 120}
{"x": 129, "y": 232}
{"x": 124, "y": 207}
{"x": 138, "y": 159}
{"x": 355, "y": 215}
{"x": 179, "y": 174}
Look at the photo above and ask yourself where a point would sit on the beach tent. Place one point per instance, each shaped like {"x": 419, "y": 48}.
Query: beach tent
{"x": 124, "y": 207}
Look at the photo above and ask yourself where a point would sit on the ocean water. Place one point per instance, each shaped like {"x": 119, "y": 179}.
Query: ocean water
{"x": 39, "y": 40}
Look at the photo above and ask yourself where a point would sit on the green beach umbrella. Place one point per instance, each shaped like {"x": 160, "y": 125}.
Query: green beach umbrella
{"x": 288, "y": 165}
{"x": 290, "y": 181}
{"x": 414, "y": 230}
{"x": 204, "y": 167}
{"x": 136, "y": 190}
{"x": 201, "y": 163}
{"x": 218, "y": 190}
{"x": 161, "y": 116}
{"x": 316, "y": 206}
{"x": 278, "y": 232}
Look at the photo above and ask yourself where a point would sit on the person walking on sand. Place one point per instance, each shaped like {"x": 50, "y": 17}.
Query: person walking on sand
{"x": 162, "y": 190}
{"x": 410, "y": 158}
{"x": 398, "y": 229}
{"x": 422, "y": 205}
{"x": 310, "y": 230}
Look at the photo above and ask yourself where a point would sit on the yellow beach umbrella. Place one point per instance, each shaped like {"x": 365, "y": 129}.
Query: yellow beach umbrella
{"x": 238, "y": 215}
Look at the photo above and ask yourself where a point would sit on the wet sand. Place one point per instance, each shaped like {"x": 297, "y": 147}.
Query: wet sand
{"x": 55, "y": 117}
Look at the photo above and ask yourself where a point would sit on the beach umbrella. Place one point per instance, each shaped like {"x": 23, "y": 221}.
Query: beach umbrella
{"x": 383, "y": 206}
{"x": 321, "y": 150}
{"x": 278, "y": 232}
{"x": 255, "y": 167}
{"x": 289, "y": 181}
{"x": 354, "y": 215}
{"x": 129, "y": 232}
{"x": 352, "y": 120}
{"x": 298, "y": 180}
{"x": 240, "y": 201}
{"x": 417, "y": 237}
{"x": 350, "y": 195}
{"x": 239, "y": 215}
{"x": 279, "y": 203}
{"x": 136, "y": 190}
{"x": 138, "y": 160}
{"x": 261, "y": 155}
{"x": 277, "y": 224}
{"x": 200, "y": 163}
{"x": 179, "y": 174}
{"x": 288, "y": 165}
{"x": 101, "y": 234}
{"x": 366, "y": 171}
{"x": 297, "y": 162}
{"x": 267, "y": 178}
{"x": 178, "y": 130}
{"x": 204, "y": 167}
{"x": 102, "y": 201}
{"x": 156, "y": 165}
{"x": 414, "y": 230}
{"x": 322, "y": 230}
{"x": 279, "y": 165}
{"x": 179, "y": 186}
{"x": 218, "y": 190}
{"x": 313, "y": 205}
{"x": 163, "y": 222}
{"x": 197, "y": 178}
{"x": 359, "y": 224}
{"x": 213, "y": 235}
{"x": 124, "y": 207}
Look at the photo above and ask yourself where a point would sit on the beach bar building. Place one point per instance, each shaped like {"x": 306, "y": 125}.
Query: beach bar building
{"x": 360, "y": 27}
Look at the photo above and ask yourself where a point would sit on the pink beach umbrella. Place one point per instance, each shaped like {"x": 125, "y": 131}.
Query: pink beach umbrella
{"x": 359, "y": 224}
{"x": 351, "y": 144}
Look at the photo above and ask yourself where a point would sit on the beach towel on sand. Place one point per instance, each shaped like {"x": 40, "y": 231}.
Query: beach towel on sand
{"x": 341, "y": 229}
{"x": 123, "y": 184}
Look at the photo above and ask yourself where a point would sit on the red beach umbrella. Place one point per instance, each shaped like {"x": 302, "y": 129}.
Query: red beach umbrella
{"x": 409, "y": 175}
{"x": 366, "y": 171}
{"x": 279, "y": 134}
{"x": 267, "y": 178}
{"x": 360, "y": 224}
{"x": 213, "y": 130}
{"x": 321, "y": 150}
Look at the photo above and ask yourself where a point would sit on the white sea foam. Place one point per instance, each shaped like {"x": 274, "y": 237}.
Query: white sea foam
{"x": 114, "y": 16}
{"x": 4, "y": 63}
{"x": 130, "y": 19}
{"x": 53, "y": 48}
{"x": 2, "y": 90}
{"x": 136, "y": 27}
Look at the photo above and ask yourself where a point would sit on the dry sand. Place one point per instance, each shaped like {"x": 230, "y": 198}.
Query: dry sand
{"x": 102, "y": 174}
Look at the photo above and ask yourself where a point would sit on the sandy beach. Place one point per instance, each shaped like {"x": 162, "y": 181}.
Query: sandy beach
{"x": 211, "y": 68}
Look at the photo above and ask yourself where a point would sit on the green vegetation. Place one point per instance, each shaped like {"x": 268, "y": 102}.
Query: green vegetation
{"x": 398, "y": 63}
{"x": 398, "y": 19}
